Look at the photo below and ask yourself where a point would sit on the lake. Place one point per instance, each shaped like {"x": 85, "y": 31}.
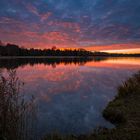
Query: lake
{"x": 71, "y": 93}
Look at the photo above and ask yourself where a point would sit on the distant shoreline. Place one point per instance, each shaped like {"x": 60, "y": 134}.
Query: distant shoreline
{"x": 60, "y": 57}
{"x": 3, "y": 57}
{"x": 14, "y": 51}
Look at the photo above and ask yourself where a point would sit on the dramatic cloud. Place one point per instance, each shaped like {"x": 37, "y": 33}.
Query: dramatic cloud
{"x": 70, "y": 23}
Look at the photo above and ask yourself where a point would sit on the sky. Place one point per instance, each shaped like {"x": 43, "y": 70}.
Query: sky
{"x": 89, "y": 24}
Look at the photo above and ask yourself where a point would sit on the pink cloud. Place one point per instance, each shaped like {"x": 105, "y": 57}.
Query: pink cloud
{"x": 67, "y": 25}
{"x": 34, "y": 10}
{"x": 56, "y": 36}
{"x": 45, "y": 16}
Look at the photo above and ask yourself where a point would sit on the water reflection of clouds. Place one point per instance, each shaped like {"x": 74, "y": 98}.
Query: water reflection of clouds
{"x": 70, "y": 98}
{"x": 81, "y": 79}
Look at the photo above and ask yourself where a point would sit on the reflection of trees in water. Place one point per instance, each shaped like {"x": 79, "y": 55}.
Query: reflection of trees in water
{"x": 16, "y": 62}
{"x": 17, "y": 115}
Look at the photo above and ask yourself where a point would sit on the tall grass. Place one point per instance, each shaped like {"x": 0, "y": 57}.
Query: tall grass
{"x": 16, "y": 113}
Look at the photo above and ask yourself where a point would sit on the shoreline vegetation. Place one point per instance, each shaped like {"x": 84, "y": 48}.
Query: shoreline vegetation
{"x": 14, "y": 51}
{"x": 123, "y": 112}
{"x": 17, "y": 114}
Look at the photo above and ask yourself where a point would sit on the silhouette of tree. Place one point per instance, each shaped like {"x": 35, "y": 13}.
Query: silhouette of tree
{"x": 15, "y": 50}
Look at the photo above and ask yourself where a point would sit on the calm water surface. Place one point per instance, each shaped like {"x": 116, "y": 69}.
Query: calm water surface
{"x": 71, "y": 95}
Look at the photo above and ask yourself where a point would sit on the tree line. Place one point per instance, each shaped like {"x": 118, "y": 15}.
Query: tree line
{"x": 15, "y": 50}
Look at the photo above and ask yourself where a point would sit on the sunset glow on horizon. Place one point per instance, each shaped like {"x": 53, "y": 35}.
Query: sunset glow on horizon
{"x": 124, "y": 51}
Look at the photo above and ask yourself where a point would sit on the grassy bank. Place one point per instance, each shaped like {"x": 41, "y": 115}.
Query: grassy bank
{"x": 123, "y": 111}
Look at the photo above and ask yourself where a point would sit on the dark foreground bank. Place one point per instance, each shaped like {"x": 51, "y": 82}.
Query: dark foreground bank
{"x": 123, "y": 111}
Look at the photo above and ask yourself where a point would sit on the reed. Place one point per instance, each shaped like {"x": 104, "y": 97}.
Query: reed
{"x": 16, "y": 113}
